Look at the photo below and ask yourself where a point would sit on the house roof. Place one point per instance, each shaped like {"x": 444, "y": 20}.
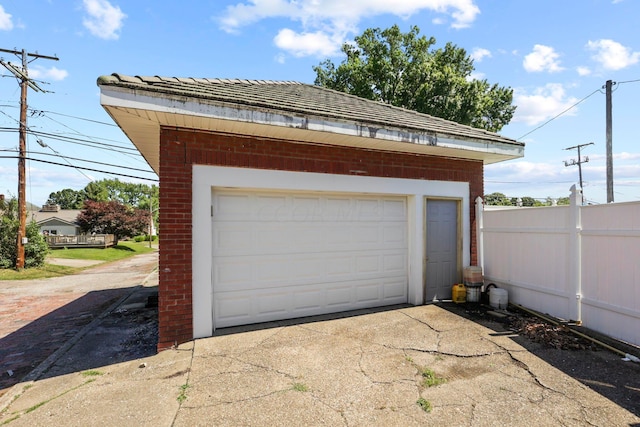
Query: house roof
{"x": 65, "y": 215}
{"x": 287, "y": 110}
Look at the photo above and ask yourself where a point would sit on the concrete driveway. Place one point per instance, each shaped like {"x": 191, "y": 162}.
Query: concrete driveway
{"x": 362, "y": 370}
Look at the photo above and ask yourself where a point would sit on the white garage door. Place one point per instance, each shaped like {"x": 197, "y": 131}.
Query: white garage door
{"x": 282, "y": 255}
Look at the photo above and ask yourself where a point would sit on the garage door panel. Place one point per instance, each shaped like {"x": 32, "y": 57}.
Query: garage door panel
{"x": 394, "y": 264}
{"x": 259, "y": 272}
{"x": 395, "y": 290}
{"x": 249, "y": 239}
{"x": 233, "y": 308}
{"x": 395, "y": 234}
{"x": 292, "y": 255}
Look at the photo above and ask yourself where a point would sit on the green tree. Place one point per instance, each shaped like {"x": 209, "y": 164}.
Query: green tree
{"x": 36, "y": 248}
{"x": 68, "y": 198}
{"x": 497, "y": 199}
{"x": 401, "y": 69}
{"x": 127, "y": 193}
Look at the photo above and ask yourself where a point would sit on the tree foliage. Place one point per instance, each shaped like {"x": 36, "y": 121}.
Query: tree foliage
{"x": 68, "y": 198}
{"x": 113, "y": 217}
{"x": 402, "y": 69}
{"x": 36, "y": 248}
{"x": 497, "y": 199}
{"x": 127, "y": 193}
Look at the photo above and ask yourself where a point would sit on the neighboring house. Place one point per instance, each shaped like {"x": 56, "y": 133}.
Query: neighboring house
{"x": 54, "y": 221}
{"x": 281, "y": 200}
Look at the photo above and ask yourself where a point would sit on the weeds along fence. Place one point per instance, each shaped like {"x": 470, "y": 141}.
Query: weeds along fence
{"x": 573, "y": 262}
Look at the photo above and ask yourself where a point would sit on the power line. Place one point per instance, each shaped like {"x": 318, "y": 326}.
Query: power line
{"x": 81, "y": 118}
{"x": 629, "y": 81}
{"x": 81, "y": 160}
{"x": 81, "y": 167}
{"x": 558, "y": 115}
{"x": 33, "y": 110}
{"x": 72, "y": 140}
{"x": 62, "y": 157}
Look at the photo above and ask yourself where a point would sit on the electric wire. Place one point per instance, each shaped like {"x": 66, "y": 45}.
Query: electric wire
{"x": 79, "y": 159}
{"x": 80, "y": 118}
{"x": 82, "y": 167}
{"x": 80, "y": 134}
{"x": 111, "y": 147}
{"x": 560, "y": 114}
{"x": 43, "y": 113}
{"x": 628, "y": 81}
{"x": 72, "y": 140}
{"x": 65, "y": 159}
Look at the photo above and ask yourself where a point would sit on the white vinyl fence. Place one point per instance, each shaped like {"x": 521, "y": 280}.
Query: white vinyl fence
{"x": 579, "y": 263}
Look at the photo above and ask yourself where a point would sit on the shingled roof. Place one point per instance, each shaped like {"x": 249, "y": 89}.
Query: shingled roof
{"x": 292, "y": 105}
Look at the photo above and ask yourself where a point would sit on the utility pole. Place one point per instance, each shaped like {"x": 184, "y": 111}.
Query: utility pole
{"x": 579, "y": 162}
{"x": 22, "y": 75}
{"x": 608, "y": 86}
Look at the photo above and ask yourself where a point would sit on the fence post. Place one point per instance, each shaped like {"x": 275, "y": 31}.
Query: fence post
{"x": 479, "y": 235}
{"x": 575, "y": 254}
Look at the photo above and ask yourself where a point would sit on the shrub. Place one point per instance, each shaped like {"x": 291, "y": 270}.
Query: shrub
{"x": 35, "y": 250}
{"x": 144, "y": 238}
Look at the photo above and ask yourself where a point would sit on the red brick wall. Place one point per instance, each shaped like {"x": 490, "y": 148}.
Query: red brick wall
{"x": 182, "y": 148}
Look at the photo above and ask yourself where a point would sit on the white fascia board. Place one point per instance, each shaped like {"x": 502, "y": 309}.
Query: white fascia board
{"x": 187, "y": 106}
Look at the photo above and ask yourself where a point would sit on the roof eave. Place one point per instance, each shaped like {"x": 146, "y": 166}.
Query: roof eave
{"x": 140, "y": 114}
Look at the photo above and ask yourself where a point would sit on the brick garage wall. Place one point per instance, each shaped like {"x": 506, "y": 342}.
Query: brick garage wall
{"x": 182, "y": 148}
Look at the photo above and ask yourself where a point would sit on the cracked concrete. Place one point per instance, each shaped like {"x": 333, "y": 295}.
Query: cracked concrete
{"x": 359, "y": 370}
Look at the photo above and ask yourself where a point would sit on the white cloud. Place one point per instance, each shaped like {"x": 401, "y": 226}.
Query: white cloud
{"x": 544, "y": 103}
{"x": 543, "y": 58}
{"x": 305, "y": 44}
{"x": 583, "y": 71}
{"x": 6, "y": 24}
{"x": 104, "y": 20}
{"x": 522, "y": 170}
{"x": 326, "y": 24}
{"x": 612, "y": 55}
{"x": 479, "y": 53}
{"x": 52, "y": 73}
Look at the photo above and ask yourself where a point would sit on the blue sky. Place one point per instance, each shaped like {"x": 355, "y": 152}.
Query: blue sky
{"x": 553, "y": 54}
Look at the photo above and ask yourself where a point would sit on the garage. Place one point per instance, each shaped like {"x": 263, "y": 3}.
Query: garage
{"x": 279, "y": 255}
{"x": 282, "y": 199}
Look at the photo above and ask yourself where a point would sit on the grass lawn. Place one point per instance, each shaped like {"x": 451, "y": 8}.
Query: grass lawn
{"x": 120, "y": 251}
